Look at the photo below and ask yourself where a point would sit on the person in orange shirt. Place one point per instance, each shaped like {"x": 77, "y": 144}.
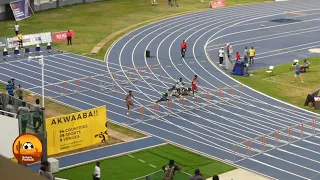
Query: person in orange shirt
{"x": 128, "y": 100}
{"x": 184, "y": 47}
{"x": 69, "y": 37}
{"x": 194, "y": 87}
{"x": 238, "y": 56}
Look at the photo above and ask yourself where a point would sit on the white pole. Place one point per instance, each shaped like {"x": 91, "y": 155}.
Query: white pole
{"x": 42, "y": 63}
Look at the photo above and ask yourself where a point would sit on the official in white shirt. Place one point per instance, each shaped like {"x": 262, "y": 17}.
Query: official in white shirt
{"x": 221, "y": 55}
{"x": 97, "y": 173}
{"x": 16, "y": 28}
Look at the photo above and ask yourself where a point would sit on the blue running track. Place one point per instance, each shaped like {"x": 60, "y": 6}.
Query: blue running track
{"x": 213, "y": 122}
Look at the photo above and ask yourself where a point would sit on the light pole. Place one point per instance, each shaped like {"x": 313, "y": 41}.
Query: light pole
{"x": 44, "y": 143}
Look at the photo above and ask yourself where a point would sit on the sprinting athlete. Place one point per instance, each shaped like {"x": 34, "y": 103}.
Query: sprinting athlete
{"x": 194, "y": 87}
{"x": 129, "y": 100}
{"x": 164, "y": 97}
{"x": 186, "y": 91}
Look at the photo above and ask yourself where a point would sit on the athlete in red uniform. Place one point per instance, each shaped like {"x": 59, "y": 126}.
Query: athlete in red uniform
{"x": 193, "y": 84}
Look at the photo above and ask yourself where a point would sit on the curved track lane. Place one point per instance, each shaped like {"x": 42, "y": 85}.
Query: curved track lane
{"x": 213, "y": 128}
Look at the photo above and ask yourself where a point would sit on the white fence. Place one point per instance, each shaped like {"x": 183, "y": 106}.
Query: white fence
{"x": 9, "y": 131}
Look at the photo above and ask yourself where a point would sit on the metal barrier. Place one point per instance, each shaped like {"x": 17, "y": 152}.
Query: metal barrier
{"x": 34, "y": 119}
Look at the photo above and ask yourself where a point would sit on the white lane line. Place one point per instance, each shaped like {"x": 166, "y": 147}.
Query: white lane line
{"x": 152, "y": 165}
{"x": 279, "y": 169}
{"x": 258, "y": 29}
{"x": 130, "y": 155}
{"x": 270, "y": 37}
{"x": 141, "y": 160}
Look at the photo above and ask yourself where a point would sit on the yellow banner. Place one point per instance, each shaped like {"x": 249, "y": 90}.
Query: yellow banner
{"x": 77, "y": 130}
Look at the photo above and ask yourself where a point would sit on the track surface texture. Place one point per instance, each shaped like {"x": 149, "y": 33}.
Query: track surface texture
{"x": 213, "y": 122}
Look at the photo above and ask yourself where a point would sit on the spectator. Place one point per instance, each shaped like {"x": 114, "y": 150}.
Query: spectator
{"x": 69, "y": 37}
{"x": 37, "y": 114}
{"x": 170, "y": 170}
{"x": 44, "y": 172}
{"x": 229, "y": 51}
{"x": 221, "y": 55}
{"x": 297, "y": 73}
{"x": 23, "y": 114}
{"x": 252, "y": 54}
{"x": 9, "y": 108}
{"x": 20, "y": 40}
{"x": 97, "y": 173}
{"x": 16, "y": 28}
{"x": 44, "y": 163}
{"x": 197, "y": 175}
{"x": 246, "y": 55}
{"x": 215, "y": 177}
{"x": 20, "y": 92}
{"x": 10, "y": 88}
{"x": 1, "y": 106}
{"x": 238, "y": 58}
{"x": 305, "y": 66}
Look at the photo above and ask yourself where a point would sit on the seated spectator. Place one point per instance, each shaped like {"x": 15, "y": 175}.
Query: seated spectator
{"x": 197, "y": 175}
{"x": 169, "y": 170}
{"x": 305, "y": 66}
{"x": 215, "y": 177}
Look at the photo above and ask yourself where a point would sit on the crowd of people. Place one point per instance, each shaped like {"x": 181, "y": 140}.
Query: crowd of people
{"x": 170, "y": 170}
{"x": 23, "y": 111}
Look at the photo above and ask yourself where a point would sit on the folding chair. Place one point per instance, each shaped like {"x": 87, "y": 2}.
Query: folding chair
{"x": 38, "y": 50}
{"x": 270, "y": 70}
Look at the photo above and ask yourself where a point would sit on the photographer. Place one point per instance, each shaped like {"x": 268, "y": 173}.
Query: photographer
{"x": 197, "y": 175}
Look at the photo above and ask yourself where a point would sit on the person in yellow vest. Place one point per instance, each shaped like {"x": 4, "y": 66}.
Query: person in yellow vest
{"x": 252, "y": 54}
{"x": 20, "y": 40}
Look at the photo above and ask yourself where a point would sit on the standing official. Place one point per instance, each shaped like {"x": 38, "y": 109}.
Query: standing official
{"x": 69, "y": 37}
{"x": 20, "y": 40}
{"x": 184, "y": 47}
{"x": 97, "y": 172}
{"x": 252, "y": 53}
{"x": 221, "y": 55}
{"x": 16, "y": 29}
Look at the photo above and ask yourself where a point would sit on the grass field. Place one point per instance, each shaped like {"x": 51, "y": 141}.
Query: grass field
{"x": 92, "y": 22}
{"x": 279, "y": 84}
{"x": 129, "y": 167}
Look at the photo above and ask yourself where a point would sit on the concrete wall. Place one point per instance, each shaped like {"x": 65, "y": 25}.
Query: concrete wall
{"x": 41, "y": 5}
